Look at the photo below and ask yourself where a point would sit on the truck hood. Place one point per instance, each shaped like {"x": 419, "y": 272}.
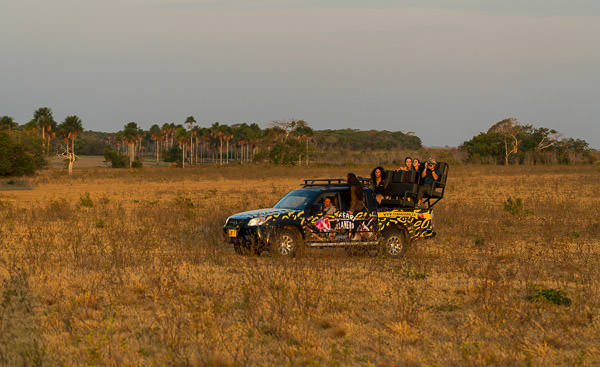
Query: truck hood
{"x": 260, "y": 213}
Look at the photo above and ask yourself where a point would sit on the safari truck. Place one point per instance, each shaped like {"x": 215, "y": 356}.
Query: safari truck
{"x": 299, "y": 219}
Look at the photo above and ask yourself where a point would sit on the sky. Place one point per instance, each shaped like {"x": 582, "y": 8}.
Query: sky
{"x": 443, "y": 69}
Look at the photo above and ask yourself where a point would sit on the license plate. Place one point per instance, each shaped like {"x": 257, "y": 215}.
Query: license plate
{"x": 232, "y": 232}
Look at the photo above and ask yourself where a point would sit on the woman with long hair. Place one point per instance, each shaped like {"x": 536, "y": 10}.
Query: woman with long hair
{"x": 357, "y": 196}
{"x": 408, "y": 164}
{"x": 378, "y": 183}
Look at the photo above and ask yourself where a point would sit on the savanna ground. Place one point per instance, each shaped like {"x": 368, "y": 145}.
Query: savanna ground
{"x": 136, "y": 273}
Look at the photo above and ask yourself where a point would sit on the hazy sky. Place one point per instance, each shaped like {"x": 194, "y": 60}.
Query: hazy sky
{"x": 444, "y": 69}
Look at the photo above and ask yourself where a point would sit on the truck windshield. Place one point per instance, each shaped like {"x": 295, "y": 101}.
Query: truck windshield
{"x": 297, "y": 199}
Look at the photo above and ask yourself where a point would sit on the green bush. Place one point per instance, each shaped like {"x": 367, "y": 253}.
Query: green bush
{"x": 515, "y": 207}
{"x": 86, "y": 200}
{"x": 173, "y": 155}
{"x": 137, "y": 163}
{"x": 116, "y": 159}
{"x": 22, "y": 157}
{"x": 413, "y": 274}
{"x": 551, "y": 295}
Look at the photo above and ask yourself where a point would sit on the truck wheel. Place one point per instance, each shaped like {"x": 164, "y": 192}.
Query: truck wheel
{"x": 286, "y": 243}
{"x": 394, "y": 243}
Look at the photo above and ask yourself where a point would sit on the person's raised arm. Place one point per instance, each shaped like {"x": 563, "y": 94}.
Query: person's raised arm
{"x": 434, "y": 174}
{"x": 424, "y": 172}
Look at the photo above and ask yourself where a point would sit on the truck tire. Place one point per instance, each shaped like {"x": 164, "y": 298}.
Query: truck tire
{"x": 394, "y": 243}
{"x": 286, "y": 243}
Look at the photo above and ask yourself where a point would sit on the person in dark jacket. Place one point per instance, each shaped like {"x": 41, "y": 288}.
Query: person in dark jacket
{"x": 357, "y": 195}
{"x": 417, "y": 166}
{"x": 379, "y": 183}
{"x": 429, "y": 177}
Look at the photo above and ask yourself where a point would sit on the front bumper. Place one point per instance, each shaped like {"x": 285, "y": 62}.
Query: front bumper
{"x": 247, "y": 235}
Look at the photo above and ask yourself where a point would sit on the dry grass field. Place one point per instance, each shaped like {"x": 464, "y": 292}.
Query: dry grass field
{"x": 119, "y": 267}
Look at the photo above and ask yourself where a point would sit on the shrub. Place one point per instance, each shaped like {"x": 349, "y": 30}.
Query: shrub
{"x": 137, "y": 163}
{"x": 555, "y": 296}
{"x": 86, "y": 200}
{"x": 173, "y": 155}
{"x": 413, "y": 274}
{"x": 116, "y": 159}
{"x": 515, "y": 207}
{"x": 20, "y": 158}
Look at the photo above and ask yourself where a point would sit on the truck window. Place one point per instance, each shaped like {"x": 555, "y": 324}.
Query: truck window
{"x": 345, "y": 200}
{"x": 296, "y": 200}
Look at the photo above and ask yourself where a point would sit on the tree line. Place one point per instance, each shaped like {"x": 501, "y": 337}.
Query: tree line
{"x": 24, "y": 148}
{"x": 510, "y": 142}
{"x": 188, "y": 143}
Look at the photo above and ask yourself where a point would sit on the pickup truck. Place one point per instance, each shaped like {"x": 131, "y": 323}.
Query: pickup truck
{"x": 299, "y": 220}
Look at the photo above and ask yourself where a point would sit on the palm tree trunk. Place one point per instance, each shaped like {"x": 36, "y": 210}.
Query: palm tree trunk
{"x": 221, "y": 151}
{"x": 43, "y": 135}
{"x": 157, "y": 152}
{"x": 227, "y": 158}
{"x": 183, "y": 156}
{"x": 131, "y": 148}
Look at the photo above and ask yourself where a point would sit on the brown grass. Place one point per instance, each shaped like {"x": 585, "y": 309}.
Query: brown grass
{"x": 140, "y": 276}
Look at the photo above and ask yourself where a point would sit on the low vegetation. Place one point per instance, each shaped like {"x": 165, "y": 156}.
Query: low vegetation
{"x": 128, "y": 267}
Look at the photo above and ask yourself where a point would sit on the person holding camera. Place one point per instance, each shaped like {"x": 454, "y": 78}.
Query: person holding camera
{"x": 429, "y": 177}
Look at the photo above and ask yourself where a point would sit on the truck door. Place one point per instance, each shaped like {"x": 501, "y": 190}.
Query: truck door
{"x": 358, "y": 226}
{"x": 320, "y": 226}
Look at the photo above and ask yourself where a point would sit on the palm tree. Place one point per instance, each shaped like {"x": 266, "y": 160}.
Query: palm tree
{"x": 118, "y": 140}
{"x": 172, "y": 129}
{"x": 64, "y": 133}
{"x": 196, "y": 132}
{"x": 69, "y": 129}
{"x": 130, "y": 135}
{"x": 75, "y": 128}
{"x": 303, "y": 132}
{"x": 156, "y": 134}
{"x": 227, "y": 135}
{"x": 8, "y": 123}
{"x": 182, "y": 137}
{"x": 164, "y": 129}
{"x": 254, "y": 133}
{"x": 205, "y": 139}
{"x": 190, "y": 121}
{"x": 140, "y": 147}
{"x": 44, "y": 119}
{"x": 217, "y": 132}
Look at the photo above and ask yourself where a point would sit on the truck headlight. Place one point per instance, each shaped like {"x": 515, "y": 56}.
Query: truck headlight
{"x": 256, "y": 221}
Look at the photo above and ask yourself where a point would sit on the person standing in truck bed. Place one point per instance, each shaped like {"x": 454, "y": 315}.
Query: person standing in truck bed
{"x": 357, "y": 195}
{"x": 429, "y": 176}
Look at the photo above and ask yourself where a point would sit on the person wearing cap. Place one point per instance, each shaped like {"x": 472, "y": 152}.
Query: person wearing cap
{"x": 429, "y": 176}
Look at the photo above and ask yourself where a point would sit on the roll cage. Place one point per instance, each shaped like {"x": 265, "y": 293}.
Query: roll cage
{"x": 400, "y": 187}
